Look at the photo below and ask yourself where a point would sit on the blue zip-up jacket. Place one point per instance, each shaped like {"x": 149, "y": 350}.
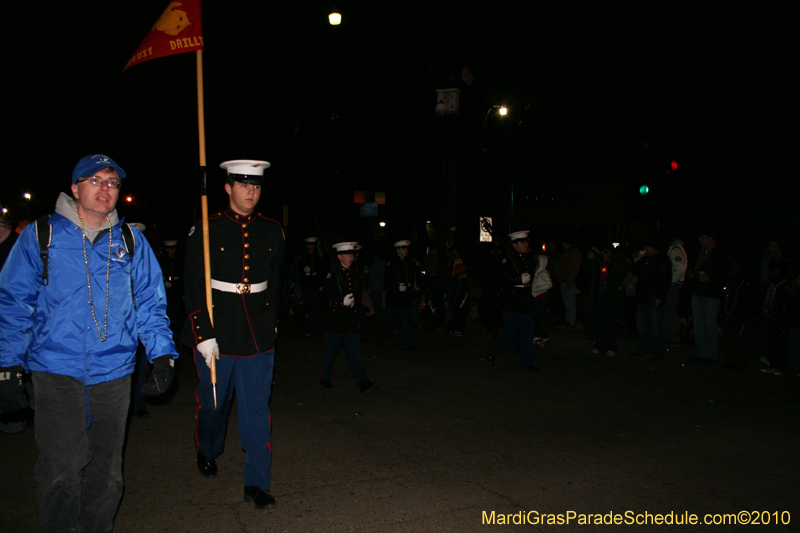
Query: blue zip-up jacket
{"x": 50, "y": 328}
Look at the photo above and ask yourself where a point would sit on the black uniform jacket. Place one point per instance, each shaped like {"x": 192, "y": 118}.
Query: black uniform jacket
{"x": 244, "y": 249}
{"x": 400, "y": 270}
{"x": 513, "y": 298}
{"x": 336, "y": 318}
{"x": 311, "y": 280}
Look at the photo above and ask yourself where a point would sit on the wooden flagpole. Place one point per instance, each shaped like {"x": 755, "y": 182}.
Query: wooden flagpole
{"x": 201, "y": 126}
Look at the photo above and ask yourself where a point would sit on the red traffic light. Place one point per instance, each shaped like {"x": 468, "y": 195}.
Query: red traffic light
{"x": 674, "y": 165}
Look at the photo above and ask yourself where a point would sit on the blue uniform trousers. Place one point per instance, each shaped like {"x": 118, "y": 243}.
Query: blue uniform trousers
{"x": 352, "y": 349}
{"x": 251, "y": 377}
{"x": 516, "y": 324}
{"x": 404, "y": 315}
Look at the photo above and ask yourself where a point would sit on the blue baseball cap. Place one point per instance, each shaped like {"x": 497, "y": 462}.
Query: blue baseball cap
{"x": 89, "y": 165}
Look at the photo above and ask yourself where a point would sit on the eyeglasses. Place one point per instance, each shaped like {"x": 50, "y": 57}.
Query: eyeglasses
{"x": 96, "y": 181}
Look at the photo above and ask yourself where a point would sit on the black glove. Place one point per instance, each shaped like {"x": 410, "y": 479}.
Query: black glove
{"x": 161, "y": 377}
{"x": 12, "y": 392}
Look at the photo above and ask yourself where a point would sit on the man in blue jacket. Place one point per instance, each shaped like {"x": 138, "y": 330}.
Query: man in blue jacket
{"x": 74, "y": 321}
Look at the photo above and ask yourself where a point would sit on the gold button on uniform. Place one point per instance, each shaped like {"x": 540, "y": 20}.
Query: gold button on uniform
{"x": 247, "y": 267}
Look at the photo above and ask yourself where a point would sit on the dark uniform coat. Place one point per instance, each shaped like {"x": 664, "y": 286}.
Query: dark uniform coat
{"x": 336, "y": 318}
{"x": 243, "y": 250}
{"x": 513, "y": 298}
{"x": 310, "y": 280}
{"x": 400, "y": 270}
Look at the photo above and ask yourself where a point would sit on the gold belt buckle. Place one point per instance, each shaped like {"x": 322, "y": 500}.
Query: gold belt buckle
{"x": 242, "y": 288}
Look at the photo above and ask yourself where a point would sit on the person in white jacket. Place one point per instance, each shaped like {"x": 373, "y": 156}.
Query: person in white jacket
{"x": 678, "y": 259}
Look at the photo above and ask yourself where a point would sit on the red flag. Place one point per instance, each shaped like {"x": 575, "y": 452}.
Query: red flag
{"x": 178, "y": 30}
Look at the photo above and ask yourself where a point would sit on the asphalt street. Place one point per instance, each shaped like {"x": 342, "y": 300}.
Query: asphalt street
{"x": 450, "y": 444}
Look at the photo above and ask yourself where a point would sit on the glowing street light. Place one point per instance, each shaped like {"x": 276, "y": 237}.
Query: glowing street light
{"x": 335, "y": 19}
{"x": 503, "y": 110}
{"x": 27, "y": 196}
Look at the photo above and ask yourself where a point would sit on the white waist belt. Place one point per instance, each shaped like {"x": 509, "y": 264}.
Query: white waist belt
{"x": 238, "y": 288}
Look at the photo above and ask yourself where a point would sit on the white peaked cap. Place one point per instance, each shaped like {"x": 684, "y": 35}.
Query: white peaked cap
{"x": 247, "y": 167}
{"x": 342, "y": 247}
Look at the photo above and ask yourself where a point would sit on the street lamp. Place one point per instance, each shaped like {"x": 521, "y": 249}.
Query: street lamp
{"x": 27, "y": 196}
{"x": 506, "y": 161}
{"x": 335, "y": 19}
{"x": 501, "y": 110}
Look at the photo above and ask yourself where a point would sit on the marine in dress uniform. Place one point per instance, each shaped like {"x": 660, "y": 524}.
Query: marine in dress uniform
{"x": 172, "y": 271}
{"x": 341, "y": 294}
{"x": 246, "y": 259}
{"x": 401, "y": 294}
{"x": 310, "y": 266}
{"x": 516, "y": 273}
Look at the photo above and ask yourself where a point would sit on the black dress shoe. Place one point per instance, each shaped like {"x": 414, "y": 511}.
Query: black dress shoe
{"x": 206, "y": 466}
{"x": 368, "y": 386}
{"x": 261, "y": 498}
{"x": 326, "y": 384}
{"x": 490, "y": 358}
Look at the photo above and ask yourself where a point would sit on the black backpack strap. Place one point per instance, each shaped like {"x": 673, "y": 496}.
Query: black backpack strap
{"x": 130, "y": 245}
{"x": 130, "y": 241}
{"x": 44, "y": 234}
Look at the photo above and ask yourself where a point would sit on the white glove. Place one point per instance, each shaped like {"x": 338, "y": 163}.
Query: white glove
{"x": 525, "y": 278}
{"x": 402, "y": 287}
{"x": 208, "y": 349}
{"x": 348, "y": 300}
{"x": 167, "y": 285}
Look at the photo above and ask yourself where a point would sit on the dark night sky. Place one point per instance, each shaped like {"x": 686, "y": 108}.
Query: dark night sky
{"x": 351, "y": 107}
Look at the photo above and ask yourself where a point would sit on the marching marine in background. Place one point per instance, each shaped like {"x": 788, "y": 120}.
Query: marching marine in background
{"x": 246, "y": 260}
{"x": 172, "y": 269}
{"x": 310, "y": 267}
{"x": 401, "y": 294}
{"x": 516, "y": 273}
{"x": 341, "y": 294}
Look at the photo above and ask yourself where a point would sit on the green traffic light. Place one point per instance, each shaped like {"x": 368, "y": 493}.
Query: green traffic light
{"x": 644, "y": 189}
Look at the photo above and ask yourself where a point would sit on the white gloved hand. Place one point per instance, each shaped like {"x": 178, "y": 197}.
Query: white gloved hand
{"x": 208, "y": 349}
{"x": 402, "y": 287}
{"x": 349, "y": 300}
{"x": 525, "y": 278}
